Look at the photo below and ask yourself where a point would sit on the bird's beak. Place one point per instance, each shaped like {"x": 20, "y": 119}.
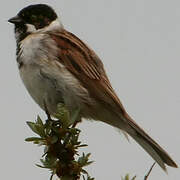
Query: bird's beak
{"x": 15, "y": 20}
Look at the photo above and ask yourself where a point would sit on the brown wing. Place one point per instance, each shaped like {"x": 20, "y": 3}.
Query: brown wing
{"x": 83, "y": 63}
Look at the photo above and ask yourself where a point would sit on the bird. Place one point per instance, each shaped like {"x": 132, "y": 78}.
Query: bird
{"x": 58, "y": 67}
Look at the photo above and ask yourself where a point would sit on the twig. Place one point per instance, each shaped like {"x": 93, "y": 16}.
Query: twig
{"x": 146, "y": 177}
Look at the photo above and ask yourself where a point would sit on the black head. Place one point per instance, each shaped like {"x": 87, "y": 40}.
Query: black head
{"x": 39, "y": 15}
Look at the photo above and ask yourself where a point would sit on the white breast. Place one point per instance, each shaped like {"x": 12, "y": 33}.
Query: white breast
{"x": 45, "y": 78}
{"x": 29, "y": 48}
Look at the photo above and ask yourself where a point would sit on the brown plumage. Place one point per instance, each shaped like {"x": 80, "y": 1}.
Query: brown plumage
{"x": 85, "y": 65}
{"x": 57, "y": 67}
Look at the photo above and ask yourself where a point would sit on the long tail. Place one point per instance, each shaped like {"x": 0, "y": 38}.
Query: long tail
{"x": 148, "y": 144}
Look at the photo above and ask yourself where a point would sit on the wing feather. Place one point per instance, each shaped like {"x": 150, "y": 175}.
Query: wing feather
{"x": 83, "y": 63}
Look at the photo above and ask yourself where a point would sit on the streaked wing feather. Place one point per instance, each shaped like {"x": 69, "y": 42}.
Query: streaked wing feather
{"x": 83, "y": 63}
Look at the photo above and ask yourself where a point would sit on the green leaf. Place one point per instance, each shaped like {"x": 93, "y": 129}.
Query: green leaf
{"x": 40, "y": 166}
{"x": 33, "y": 139}
{"x": 74, "y": 140}
{"x": 39, "y": 121}
{"x": 84, "y": 160}
{"x": 37, "y": 127}
{"x": 84, "y": 171}
{"x": 63, "y": 115}
{"x": 89, "y": 178}
{"x": 32, "y": 125}
{"x": 74, "y": 131}
{"x": 82, "y": 145}
{"x": 40, "y": 130}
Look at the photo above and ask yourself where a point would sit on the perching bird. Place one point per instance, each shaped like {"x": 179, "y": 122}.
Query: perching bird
{"x": 57, "y": 67}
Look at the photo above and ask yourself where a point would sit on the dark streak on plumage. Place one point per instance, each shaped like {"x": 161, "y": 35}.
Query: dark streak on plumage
{"x": 73, "y": 46}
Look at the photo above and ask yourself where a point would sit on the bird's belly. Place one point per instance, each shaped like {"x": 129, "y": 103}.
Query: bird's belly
{"x": 42, "y": 90}
{"x": 52, "y": 88}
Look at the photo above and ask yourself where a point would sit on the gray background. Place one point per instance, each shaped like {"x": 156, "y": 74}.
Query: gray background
{"x": 139, "y": 43}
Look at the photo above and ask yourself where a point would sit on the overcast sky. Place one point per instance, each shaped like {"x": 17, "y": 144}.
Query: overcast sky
{"x": 139, "y": 44}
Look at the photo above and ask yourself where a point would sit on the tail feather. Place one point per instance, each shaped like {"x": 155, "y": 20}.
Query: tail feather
{"x": 149, "y": 145}
{"x": 148, "y": 148}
